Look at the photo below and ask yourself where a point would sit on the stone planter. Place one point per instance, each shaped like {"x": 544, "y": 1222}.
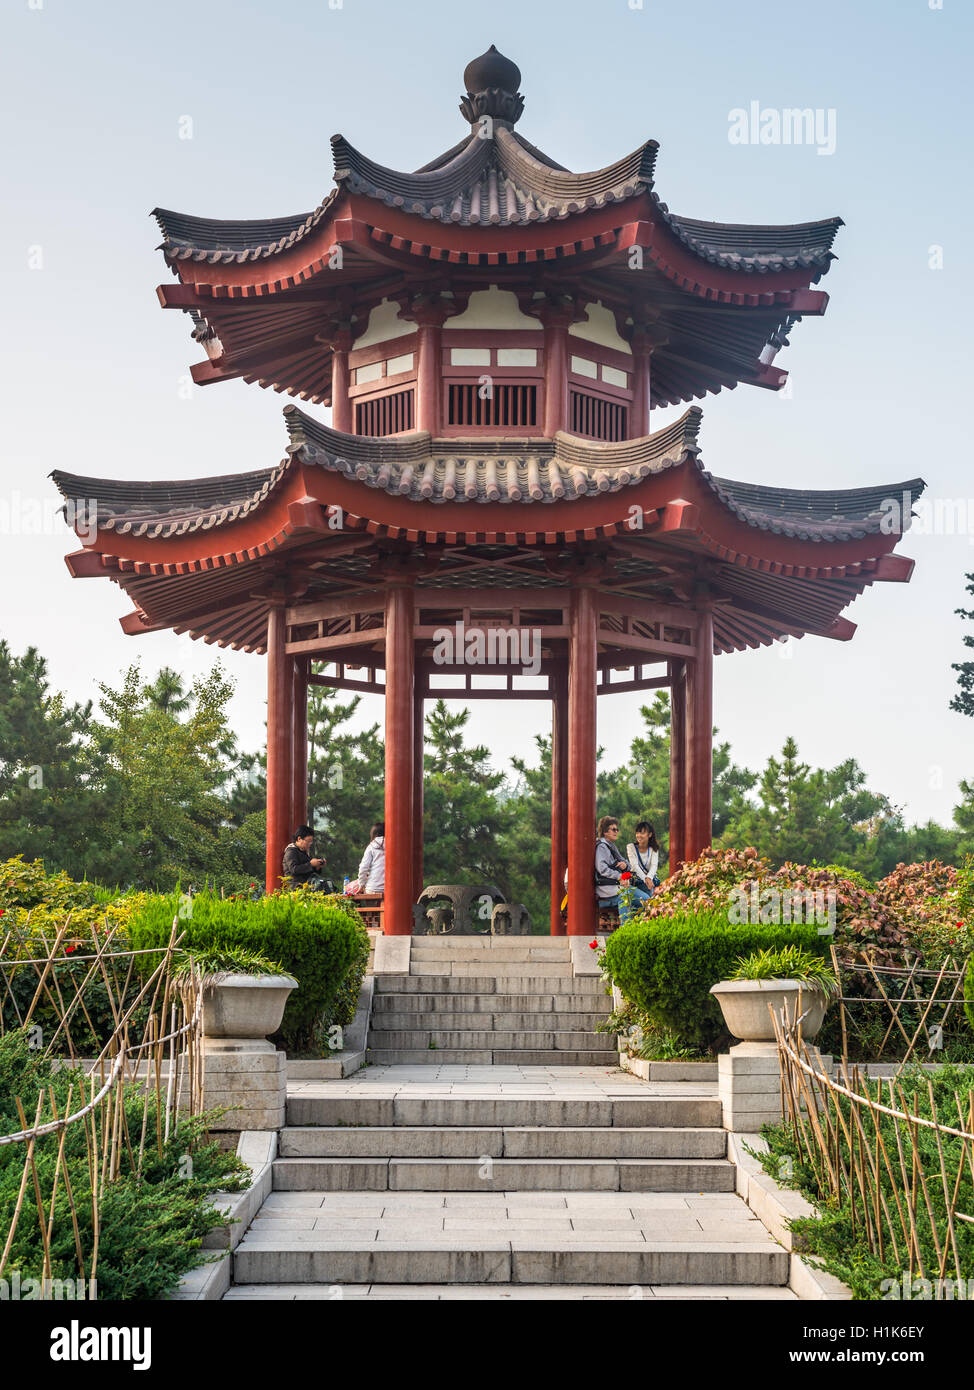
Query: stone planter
{"x": 239, "y": 1011}
{"x": 744, "y": 1004}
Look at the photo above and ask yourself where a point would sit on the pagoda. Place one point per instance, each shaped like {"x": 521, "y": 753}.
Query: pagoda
{"x": 490, "y": 333}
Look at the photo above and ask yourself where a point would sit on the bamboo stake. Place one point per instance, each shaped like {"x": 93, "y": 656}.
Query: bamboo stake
{"x": 838, "y": 976}
{"x": 46, "y": 1273}
{"x": 23, "y": 1188}
{"x": 948, "y": 1204}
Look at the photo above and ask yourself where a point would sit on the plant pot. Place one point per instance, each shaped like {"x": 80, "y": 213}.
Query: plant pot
{"x": 745, "y": 1006}
{"x": 245, "y": 1006}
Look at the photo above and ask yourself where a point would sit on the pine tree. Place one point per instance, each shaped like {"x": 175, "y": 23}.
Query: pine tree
{"x": 51, "y": 805}
{"x": 464, "y": 818}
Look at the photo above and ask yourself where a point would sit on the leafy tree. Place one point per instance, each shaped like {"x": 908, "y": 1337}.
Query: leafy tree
{"x": 164, "y": 781}
{"x": 464, "y": 818}
{"x": 50, "y": 797}
{"x": 526, "y": 844}
{"x": 806, "y": 816}
{"x": 963, "y": 701}
{"x": 346, "y": 780}
{"x": 641, "y": 790}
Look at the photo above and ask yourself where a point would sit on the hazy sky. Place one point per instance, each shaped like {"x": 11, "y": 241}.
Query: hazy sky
{"x": 97, "y": 93}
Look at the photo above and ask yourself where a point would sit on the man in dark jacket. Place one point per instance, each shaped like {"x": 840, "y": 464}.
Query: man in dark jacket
{"x": 299, "y": 867}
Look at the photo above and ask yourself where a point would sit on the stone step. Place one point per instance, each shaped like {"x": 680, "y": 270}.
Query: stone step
{"x": 482, "y": 941}
{"x": 669, "y": 1112}
{"x": 514, "y": 1293}
{"x": 388, "y": 1020}
{"x": 432, "y": 950}
{"x": 463, "y": 1003}
{"x": 530, "y": 1260}
{"x": 446, "y": 1038}
{"x": 481, "y": 1057}
{"x": 432, "y": 1141}
{"x": 487, "y": 1174}
{"x": 490, "y": 984}
{"x": 508, "y": 970}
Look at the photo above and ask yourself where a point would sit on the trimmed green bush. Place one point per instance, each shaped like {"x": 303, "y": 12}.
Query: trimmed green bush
{"x": 321, "y": 944}
{"x": 666, "y": 965}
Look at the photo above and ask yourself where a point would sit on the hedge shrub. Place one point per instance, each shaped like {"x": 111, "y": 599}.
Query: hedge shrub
{"x": 666, "y": 965}
{"x": 324, "y": 945}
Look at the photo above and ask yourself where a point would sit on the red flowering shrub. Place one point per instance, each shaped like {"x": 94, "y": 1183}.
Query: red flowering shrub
{"x": 705, "y": 884}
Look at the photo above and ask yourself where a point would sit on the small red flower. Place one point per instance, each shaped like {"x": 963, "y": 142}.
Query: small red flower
{"x": 253, "y": 885}
{"x": 625, "y": 877}
{"x": 69, "y": 949}
{"x": 593, "y": 945}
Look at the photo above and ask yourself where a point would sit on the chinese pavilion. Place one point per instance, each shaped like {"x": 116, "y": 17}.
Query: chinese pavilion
{"x": 490, "y": 333}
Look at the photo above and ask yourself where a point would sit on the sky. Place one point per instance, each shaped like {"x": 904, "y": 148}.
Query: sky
{"x": 225, "y": 109}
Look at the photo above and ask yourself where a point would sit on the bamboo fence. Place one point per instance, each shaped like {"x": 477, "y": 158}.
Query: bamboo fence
{"x": 921, "y": 1005}
{"x": 160, "y": 1061}
{"x": 871, "y": 1151}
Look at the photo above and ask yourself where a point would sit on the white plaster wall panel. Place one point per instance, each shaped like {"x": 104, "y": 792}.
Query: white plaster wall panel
{"x": 600, "y": 328}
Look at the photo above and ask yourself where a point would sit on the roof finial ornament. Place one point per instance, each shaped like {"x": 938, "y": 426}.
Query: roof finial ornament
{"x": 491, "y": 83}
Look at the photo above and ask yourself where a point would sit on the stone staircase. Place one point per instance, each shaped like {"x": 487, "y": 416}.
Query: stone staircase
{"x": 393, "y": 1191}
{"x": 478, "y": 999}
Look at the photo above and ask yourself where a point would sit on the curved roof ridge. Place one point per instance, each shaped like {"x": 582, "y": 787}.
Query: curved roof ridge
{"x": 675, "y": 440}
{"x": 221, "y": 239}
{"x": 539, "y": 155}
{"x": 622, "y": 179}
{"x": 761, "y": 246}
{"x": 824, "y": 514}
{"x": 305, "y": 429}
{"x": 398, "y": 187}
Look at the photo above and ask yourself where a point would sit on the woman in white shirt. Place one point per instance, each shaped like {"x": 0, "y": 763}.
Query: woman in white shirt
{"x": 643, "y": 857}
{"x": 372, "y": 870}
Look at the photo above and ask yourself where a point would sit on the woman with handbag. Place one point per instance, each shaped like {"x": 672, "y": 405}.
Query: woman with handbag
{"x": 609, "y": 868}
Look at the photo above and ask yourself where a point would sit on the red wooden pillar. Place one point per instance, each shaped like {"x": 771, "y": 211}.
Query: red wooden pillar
{"x": 556, "y": 318}
{"x": 429, "y": 319}
{"x": 341, "y": 404}
{"x": 582, "y": 699}
{"x": 299, "y": 741}
{"x": 678, "y": 763}
{"x": 700, "y": 730}
{"x": 559, "y": 795}
{"x": 279, "y": 734}
{"x": 400, "y": 707}
{"x": 642, "y": 351}
{"x": 419, "y": 743}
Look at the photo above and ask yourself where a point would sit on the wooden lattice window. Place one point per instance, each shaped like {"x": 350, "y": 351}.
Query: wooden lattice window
{"x": 507, "y": 406}
{"x": 598, "y": 418}
{"x": 381, "y": 415}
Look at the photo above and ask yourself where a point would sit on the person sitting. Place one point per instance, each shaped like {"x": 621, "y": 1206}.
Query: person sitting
{"x": 372, "y": 870}
{"x": 643, "y": 857}
{"x": 300, "y": 869}
{"x": 609, "y": 868}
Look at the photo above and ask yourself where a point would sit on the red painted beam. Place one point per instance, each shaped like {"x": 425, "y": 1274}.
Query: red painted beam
{"x": 582, "y": 750}
{"x": 699, "y": 743}
{"x": 299, "y": 742}
{"x": 559, "y": 795}
{"x": 399, "y": 736}
{"x": 678, "y": 734}
{"x": 279, "y": 733}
